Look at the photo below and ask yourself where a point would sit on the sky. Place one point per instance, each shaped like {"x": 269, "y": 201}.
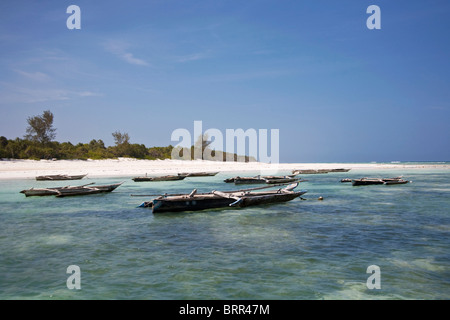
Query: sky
{"x": 336, "y": 90}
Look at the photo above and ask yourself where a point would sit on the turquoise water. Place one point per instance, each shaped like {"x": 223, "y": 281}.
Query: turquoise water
{"x": 303, "y": 249}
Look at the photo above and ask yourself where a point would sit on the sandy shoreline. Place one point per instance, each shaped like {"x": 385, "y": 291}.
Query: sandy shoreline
{"x": 24, "y": 169}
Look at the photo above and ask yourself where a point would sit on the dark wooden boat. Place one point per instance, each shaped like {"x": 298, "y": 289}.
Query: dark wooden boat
{"x": 70, "y": 190}
{"x": 199, "y": 174}
{"x": 87, "y": 190}
{"x": 319, "y": 171}
{"x": 372, "y": 181}
{"x": 219, "y": 199}
{"x": 366, "y": 181}
{"x": 346, "y": 180}
{"x": 391, "y": 182}
{"x": 60, "y": 177}
{"x": 162, "y": 178}
{"x": 280, "y": 180}
{"x": 340, "y": 170}
{"x": 310, "y": 171}
{"x": 262, "y": 179}
{"x": 249, "y": 180}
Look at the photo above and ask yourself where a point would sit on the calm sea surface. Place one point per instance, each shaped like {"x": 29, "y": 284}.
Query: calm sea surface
{"x": 303, "y": 249}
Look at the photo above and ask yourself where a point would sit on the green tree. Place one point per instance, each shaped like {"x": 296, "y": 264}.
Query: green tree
{"x": 121, "y": 138}
{"x": 40, "y": 128}
{"x": 3, "y": 142}
{"x": 122, "y": 141}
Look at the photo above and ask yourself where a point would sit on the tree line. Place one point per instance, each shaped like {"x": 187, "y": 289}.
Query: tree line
{"x": 26, "y": 149}
{"x": 38, "y": 143}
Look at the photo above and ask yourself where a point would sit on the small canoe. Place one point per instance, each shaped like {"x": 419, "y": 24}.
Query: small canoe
{"x": 310, "y": 171}
{"x": 198, "y": 174}
{"x": 281, "y": 180}
{"x": 366, "y": 181}
{"x": 262, "y": 179}
{"x": 249, "y": 180}
{"x": 60, "y": 177}
{"x": 321, "y": 171}
{"x": 88, "y": 190}
{"x": 391, "y": 182}
{"x": 162, "y": 178}
{"x": 70, "y": 190}
{"x": 371, "y": 181}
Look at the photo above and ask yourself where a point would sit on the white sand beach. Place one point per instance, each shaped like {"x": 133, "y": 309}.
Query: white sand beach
{"x": 123, "y": 167}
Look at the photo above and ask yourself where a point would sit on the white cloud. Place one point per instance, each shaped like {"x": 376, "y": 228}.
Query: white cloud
{"x": 12, "y": 93}
{"x": 120, "y": 49}
{"x": 128, "y": 57}
{"x": 35, "y": 76}
{"x": 89, "y": 94}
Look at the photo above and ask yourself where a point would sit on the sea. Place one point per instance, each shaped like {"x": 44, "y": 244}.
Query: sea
{"x": 359, "y": 243}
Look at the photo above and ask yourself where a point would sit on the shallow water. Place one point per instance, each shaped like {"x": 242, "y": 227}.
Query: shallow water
{"x": 302, "y": 249}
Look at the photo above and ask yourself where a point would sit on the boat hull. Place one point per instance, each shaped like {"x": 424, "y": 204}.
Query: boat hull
{"x": 249, "y": 181}
{"x": 165, "y": 178}
{"x": 268, "y": 199}
{"x": 371, "y": 181}
{"x": 59, "y": 177}
{"x": 69, "y": 191}
{"x": 395, "y": 182}
{"x": 282, "y": 180}
{"x": 39, "y": 192}
{"x": 199, "y": 174}
{"x": 87, "y": 190}
{"x": 180, "y": 204}
{"x": 366, "y": 182}
{"x": 162, "y": 205}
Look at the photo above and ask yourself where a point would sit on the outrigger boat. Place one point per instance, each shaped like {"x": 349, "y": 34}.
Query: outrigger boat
{"x": 310, "y": 171}
{"x": 262, "y": 179}
{"x": 198, "y": 174}
{"x": 319, "y": 171}
{"x": 70, "y": 190}
{"x": 399, "y": 181}
{"x": 371, "y": 181}
{"x": 221, "y": 199}
{"x": 340, "y": 170}
{"x": 246, "y": 180}
{"x": 162, "y": 178}
{"x": 286, "y": 179}
{"x": 60, "y": 177}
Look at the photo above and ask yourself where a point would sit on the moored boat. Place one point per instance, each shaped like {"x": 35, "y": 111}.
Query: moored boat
{"x": 319, "y": 171}
{"x": 391, "y": 182}
{"x": 87, "y": 190}
{"x": 60, "y": 177}
{"x": 366, "y": 181}
{"x": 198, "y": 174}
{"x": 311, "y": 171}
{"x": 70, "y": 190}
{"x": 221, "y": 199}
{"x": 372, "y": 181}
{"x": 161, "y": 178}
{"x": 340, "y": 170}
{"x": 249, "y": 180}
{"x": 280, "y": 180}
{"x": 262, "y": 179}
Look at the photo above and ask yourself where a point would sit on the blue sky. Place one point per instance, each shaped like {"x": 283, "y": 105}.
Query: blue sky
{"x": 336, "y": 90}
